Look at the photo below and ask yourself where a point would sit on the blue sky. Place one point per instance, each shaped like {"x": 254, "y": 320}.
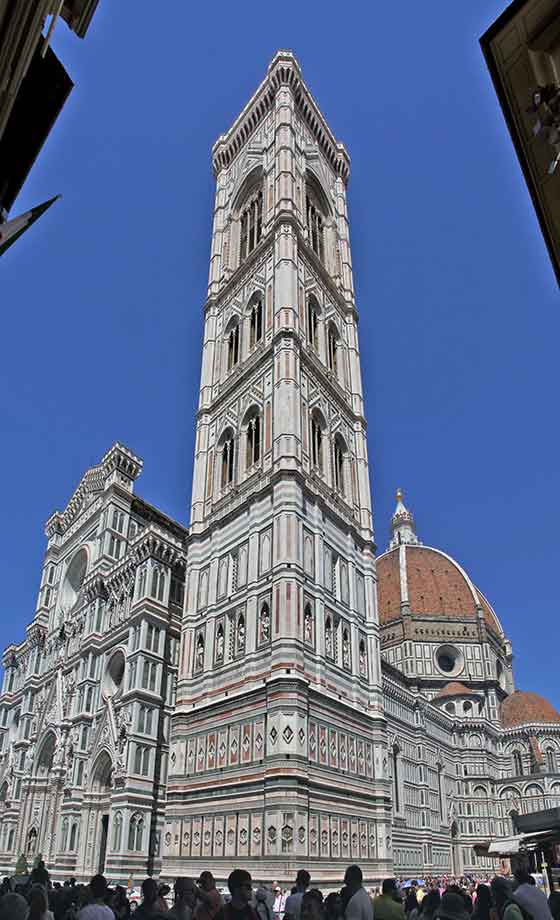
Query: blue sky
{"x": 459, "y": 315}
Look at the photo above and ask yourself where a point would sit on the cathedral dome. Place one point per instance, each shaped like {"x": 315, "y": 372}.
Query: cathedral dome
{"x": 428, "y": 582}
{"x": 523, "y": 707}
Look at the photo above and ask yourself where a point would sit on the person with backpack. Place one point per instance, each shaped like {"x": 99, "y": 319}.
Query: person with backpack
{"x": 530, "y": 898}
{"x": 506, "y": 907}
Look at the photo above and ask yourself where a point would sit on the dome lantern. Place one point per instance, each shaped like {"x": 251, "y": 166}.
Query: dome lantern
{"x": 403, "y": 529}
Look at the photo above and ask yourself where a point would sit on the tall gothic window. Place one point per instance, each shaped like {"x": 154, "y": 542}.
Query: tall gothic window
{"x": 339, "y": 464}
{"x": 228, "y": 459}
{"x": 551, "y": 761}
{"x": 256, "y": 321}
{"x": 251, "y": 225}
{"x": 517, "y": 763}
{"x": 312, "y": 322}
{"x": 316, "y": 442}
{"x": 315, "y": 222}
{"x": 396, "y": 791}
{"x": 253, "y": 440}
{"x": 332, "y": 345}
{"x": 233, "y": 346}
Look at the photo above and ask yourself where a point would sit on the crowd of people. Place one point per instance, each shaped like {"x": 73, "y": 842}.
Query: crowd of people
{"x": 35, "y": 898}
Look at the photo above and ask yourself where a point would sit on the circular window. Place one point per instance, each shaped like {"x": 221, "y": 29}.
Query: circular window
{"x": 114, "y": 674}
{"x": 449, "y": 660}
{"x": 74, "y": 579}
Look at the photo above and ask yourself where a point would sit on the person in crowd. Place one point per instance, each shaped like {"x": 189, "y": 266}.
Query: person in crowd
{"x": 358, "y": 902}
{"x": 39, "y": 875}
{"x": 333, "y": 906}
{"x": 411, "y": 902}
{"x": 388, "y": 905}
{"x": 13, "y": 907}
{"x": 430, "y": 904}
{"x": 150, "y": 902}
{"x": 483, "y": 903}
{"x": 120, "y": 904}
{"x": 209, "y": 898}
{"x": 312, "y": 906}
{"x": 292, "y": 908}
{"x": 452, "y": 907}
{"x": 5, "y": 887}
{"x": 163, "y": 891}
{"x": 554, "y": 904}
{"x": 240, "y": 887}
{"x": 97, "y": 909}
{"x": 38, "y": 904}
{"x": 185, "y": 900}
{"x": 261, "y": 905}
{"x": 279, "y": 902}
{"x": 530, "y": 898}
{"x": 506, "y": 908}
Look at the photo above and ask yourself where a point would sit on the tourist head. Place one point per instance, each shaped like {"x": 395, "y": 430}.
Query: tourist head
{"x": 150, "y": 890}
{"x": 333, "y": 906}
{"x": 353, "y": 876}
{"x": 522, "y": 877}
{"x": 452, "y": 907}
{"x": 391, "y": 889}
{"x": 501, "y": 892}
{"x": 98, "y": 887}
{"x": 185, "y": 891}
{"x": 303, "y": 879}
{"x": 206, "y": 881}
{"x": 13, "y": 907}
{"x": 483, "y": 898}
{"x": 240, "y": 886}
{"x": 312, "y": 905}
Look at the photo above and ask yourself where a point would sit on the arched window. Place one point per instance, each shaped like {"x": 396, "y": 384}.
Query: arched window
{"x": 264, "y": 624}
{"x": 199, "y": 658}
{"x": 142, "y": 582}
{"x": 308, "y": 625}
{"x": 139, "y": 835}
{"x": 251, "y": 225}
{"x": 315, "y": 222}
{"x": 316, "y": 441}
{"x": 551, "y": 760}
{"x": 73, "y": 836}
{"x": 64, "y": 835}
{"x": 240, "y": 633}
{"x": 132, "y": 832}
{"x": 220, "y": 642}
{"x": 450, "y": 708}
{"x": 517, "y": 763}
{"x": 396, "y": 784}
{"x": 332, "y": 347}
{"x": 467, "y": 708}
{"x": 253, "y": 440}
{"x": 256, "y": 320}
{"x": 228, "y": 458}
{"x": 329, "y": 648}
{"x": 117, "y": 831}
{"x": 233, "y": 346}
{"x": 339, "y": 453}
{"x": 312, "y": 321}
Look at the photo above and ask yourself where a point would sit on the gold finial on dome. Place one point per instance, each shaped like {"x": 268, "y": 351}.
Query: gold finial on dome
{"x": 402, "y": 524}
{"x": 400, "y": 495}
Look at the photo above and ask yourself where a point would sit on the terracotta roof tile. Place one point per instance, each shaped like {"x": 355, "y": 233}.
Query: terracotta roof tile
{"x": 523, "y": 707}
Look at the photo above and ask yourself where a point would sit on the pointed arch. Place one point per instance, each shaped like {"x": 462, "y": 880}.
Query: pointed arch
{"x": 101, "y": 777}
{"x": 318, "y": 427}
{"x": 226, "y": 447}
{"x": 255, "y": 310}
{"x": 252, "y": 428}
{"x": 333, "y": 348}
{"x": 313, "y": 312}
{"x": 45, "y": 756}
{"x": 340, "y": 453}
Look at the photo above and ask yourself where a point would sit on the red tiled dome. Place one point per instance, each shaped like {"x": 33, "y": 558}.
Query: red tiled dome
{"x": 455, "y": 688}
{"x": 437, "y": 588}
{"x": 523, "y": 707}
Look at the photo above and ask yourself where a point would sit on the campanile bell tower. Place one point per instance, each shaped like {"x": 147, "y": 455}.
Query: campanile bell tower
{"x": 278, "y": 748}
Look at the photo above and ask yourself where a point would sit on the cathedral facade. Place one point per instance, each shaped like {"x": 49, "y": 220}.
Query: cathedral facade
{"x": 261, "y": 691}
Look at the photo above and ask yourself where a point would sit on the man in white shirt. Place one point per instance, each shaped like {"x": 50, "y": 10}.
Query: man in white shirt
{"x": 359, "y": 905}
{"x": 98, "y": 910}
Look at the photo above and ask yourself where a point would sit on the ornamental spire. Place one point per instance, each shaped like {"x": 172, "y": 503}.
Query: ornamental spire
{"x": 403, "y": 529}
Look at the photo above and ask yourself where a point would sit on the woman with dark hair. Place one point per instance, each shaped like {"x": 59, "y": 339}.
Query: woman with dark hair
{"x": 483, "y": 904}
{"x": 505, "y": 906}
{"x": 38, "y": 904}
